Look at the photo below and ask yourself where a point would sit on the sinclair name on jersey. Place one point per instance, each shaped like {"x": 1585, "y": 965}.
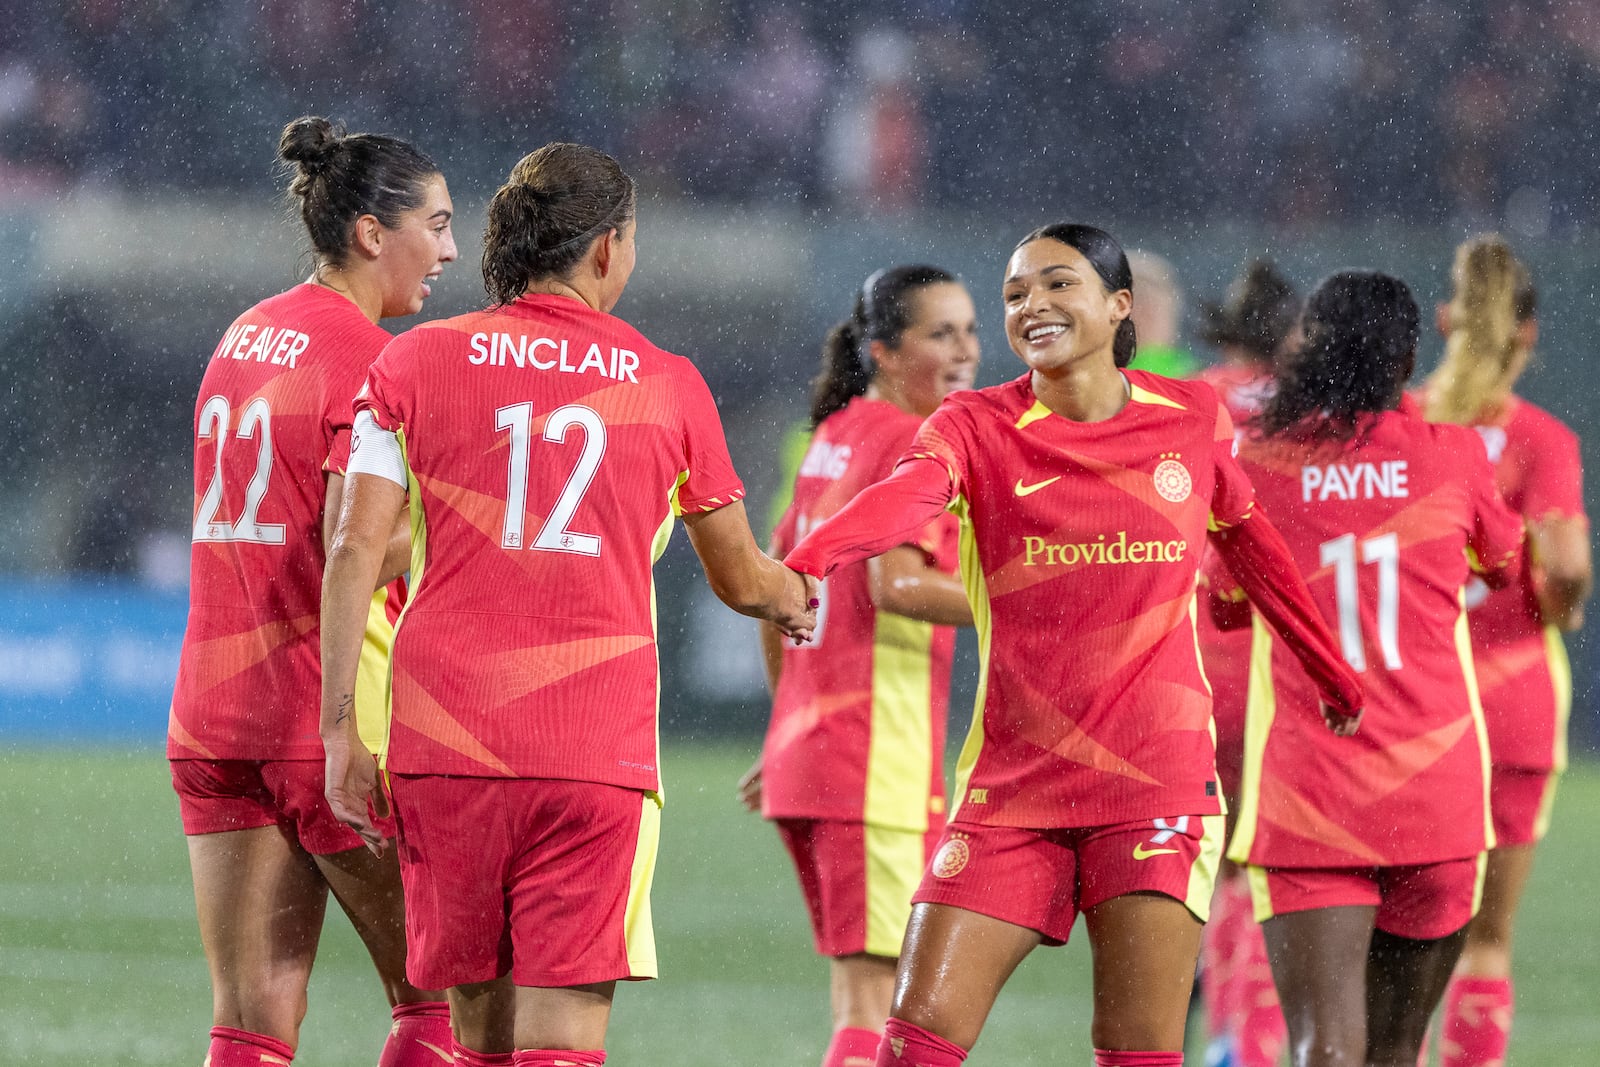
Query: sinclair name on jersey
{"x": 549, "y": 353}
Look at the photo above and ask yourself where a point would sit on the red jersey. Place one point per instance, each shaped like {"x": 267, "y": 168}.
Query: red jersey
{"x": 858, "y": 719}
{"x": 548, "y": 447}
{"x": 1524, "y": 678}
{"x": 1080, "y": 547}
{"x": 273, "y": 416}
{"x": 1381, "y": 526}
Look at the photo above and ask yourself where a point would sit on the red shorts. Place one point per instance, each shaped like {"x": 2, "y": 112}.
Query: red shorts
{"x": 1519, "y": 803}
{"x": 215, "y": 796}
{"x": 857, "y": 880}
{"x": 1042, "y": 879}
{"x": 1423, "y": 902}
{"x": 544, "y": 879}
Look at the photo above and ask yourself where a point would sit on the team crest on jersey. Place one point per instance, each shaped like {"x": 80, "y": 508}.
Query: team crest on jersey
{"x": 952, "y": 858}
{"x": 1172, "y": 480}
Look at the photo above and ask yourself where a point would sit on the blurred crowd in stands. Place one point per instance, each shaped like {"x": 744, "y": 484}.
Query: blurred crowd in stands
{"x": 1469, "y": 112}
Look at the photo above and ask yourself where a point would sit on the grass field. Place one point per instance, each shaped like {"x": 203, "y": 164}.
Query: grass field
{"x": 100, "y": 960}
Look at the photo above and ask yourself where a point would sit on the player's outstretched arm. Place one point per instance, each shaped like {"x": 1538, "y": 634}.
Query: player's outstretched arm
{"x": 747, "y": 579}
{"x": 355, "y": 558}
{"x": 1260, "y": 561}
{"x": 1564, "y": 572}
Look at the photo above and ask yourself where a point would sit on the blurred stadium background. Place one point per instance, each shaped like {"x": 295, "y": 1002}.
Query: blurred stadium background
{"x": 784, "y": 151}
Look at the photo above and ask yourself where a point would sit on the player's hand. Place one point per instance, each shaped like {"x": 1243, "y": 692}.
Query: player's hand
{"x": 750, "y": 787}
{"x": 350, "y": 781}
{"x": 797, "y": 617}
{"x": 1341, "y": 724}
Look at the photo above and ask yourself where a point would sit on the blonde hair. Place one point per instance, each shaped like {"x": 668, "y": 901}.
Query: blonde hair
{"x": 1493, "y": 296}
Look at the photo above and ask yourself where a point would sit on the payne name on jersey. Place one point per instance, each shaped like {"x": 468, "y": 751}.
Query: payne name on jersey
{"x": 548, "y": 353}
{"x": 1354, "y": 481}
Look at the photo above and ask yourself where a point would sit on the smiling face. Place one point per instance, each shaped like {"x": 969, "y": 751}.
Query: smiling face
{"x": 938, "y": 350}
{"x": 1058, "y": 311}
{"x": 414, "y": 252}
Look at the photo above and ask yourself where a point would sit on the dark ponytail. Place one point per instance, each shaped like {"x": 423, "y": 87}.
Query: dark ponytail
{"x": 1360, "y": 346}
{"x": 1110, "y": 262}
{"x": 882, "y": 312}
{"x": 541, "y": 222}
{"x": 338, "y": 177}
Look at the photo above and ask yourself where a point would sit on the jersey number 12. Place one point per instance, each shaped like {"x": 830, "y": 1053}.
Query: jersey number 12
{"x": 553, "y": 535}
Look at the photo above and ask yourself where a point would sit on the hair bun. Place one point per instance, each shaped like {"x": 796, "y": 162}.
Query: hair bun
{"x": 310, "y": 142}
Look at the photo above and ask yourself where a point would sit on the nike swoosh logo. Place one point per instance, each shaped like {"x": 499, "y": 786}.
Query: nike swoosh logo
{"x": 1024, "y": 490}
{"x": 1142, "y": 853}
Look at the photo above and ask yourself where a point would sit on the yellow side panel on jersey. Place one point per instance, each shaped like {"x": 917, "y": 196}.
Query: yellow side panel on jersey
{"x": 982, "y": 621}
{"x": 372, "y": 676}
{"x": 1555, "y": 654}
{"x": 1203, "y": 872}
{"x": 894, "y": 863}
{"x": 898, "y": 773}
{"x": 1469, "y": 674}
{"x": 1260, "y": 892}
{"x": 638, "y": 928}
{"x": 658, "y": 545}
{"x": 419, "y": 556}
{"x": 1261, "y": 704}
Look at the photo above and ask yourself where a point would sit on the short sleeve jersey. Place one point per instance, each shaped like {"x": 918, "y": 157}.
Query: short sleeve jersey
{"x": 273, "y": 416}
{"x": 1381, "y": 527}
{"x": 858, "y": 719}
{"x": 1080, "y": 547}
{"x": 548, "y": 448}
{"x": 1524, "y": 677}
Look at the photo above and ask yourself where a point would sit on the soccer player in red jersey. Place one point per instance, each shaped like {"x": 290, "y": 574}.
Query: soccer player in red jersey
{"x": 852, "y": 769}
{"x": 546, "y": 447}
{"x": 1250, "y": 329}
{"x": 1365, "y": 854}
{"x": 272, "y": 436}
{"x": 1524, "y": 680}
{"x": 1087, "y": 784}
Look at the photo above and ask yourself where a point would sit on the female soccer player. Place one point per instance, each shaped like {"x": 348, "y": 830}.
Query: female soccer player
{"x": 1523, "y": 677}
{"x": 852, "y": 770}
{"x": 1085, "y": 492}
{"x": 272, "y": 435}
{"x": 546, "y": 446}
{"x": 1364, "y": 855}
{"x": 1250, "y": 329}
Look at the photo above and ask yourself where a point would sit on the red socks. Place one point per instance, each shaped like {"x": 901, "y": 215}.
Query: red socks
{"x": 1477, "y": 1023}
{"x": 420, "y": 1036}
{"x": 541, "y": 1057}
{"x": 1102, "y": 1058}
{"x": 905, "y": 1045}
{"x": 241, "y": 1048}
{"x": 852, "y": 1047}
{"x": 465, "y": 1057}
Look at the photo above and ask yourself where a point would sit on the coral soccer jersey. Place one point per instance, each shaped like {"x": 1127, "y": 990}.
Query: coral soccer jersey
{"x": 548, "y": 447}
{"x": 272, "y": 416}
{"x": 1079, "y": 549}
{"x": 858, "y": 720}
{"x": 1381, "y": 526}
{"x": 1523, "y": 675}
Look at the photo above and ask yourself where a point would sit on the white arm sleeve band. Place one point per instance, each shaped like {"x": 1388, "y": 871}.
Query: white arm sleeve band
{"x": 374, "y": 450}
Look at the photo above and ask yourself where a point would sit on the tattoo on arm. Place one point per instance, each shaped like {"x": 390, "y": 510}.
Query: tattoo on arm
{"x": 346, "y": 705}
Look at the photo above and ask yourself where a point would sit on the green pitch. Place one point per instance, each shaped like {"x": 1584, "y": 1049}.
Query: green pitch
{"x": 100, "y": 960}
